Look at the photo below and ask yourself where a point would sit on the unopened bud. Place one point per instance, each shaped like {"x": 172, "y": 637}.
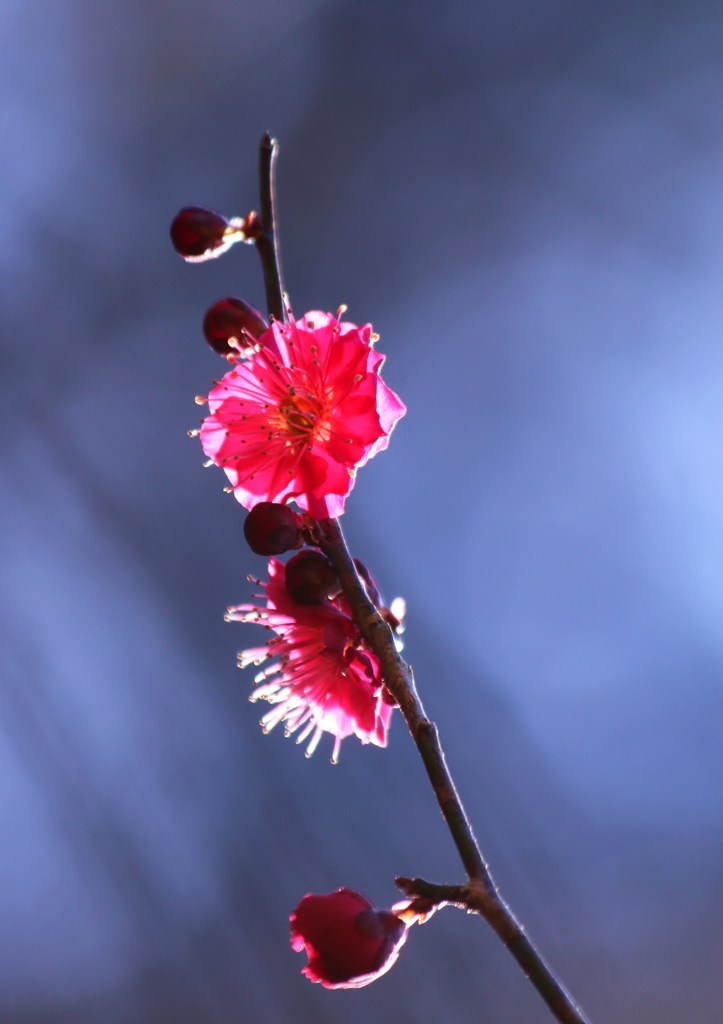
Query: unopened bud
{"x": 271, "y": 529}
{"x": 349, "y": 942}
{"x": 232, "y": 320}
{"x": 200, "y": 234}
{"x": 310, "y": 578}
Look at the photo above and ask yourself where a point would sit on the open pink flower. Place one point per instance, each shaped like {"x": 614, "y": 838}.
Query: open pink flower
{"x": 348, "y": 942}
{"x": 322, "y": 679}
{"x": 301, "y": 415}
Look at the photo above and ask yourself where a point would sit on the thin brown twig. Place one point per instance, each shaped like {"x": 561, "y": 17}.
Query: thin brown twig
{"x": 479, "y": 894}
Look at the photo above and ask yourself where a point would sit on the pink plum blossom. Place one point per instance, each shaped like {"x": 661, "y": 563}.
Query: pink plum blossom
{"x": 301, "y": 415}
{"x": 322, "y": 678}
{"x": 348, "y": 942}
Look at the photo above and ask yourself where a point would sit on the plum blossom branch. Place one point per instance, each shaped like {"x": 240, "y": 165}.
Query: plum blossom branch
{"x": 400, "y": 683}
{"x": 480, "y": 893}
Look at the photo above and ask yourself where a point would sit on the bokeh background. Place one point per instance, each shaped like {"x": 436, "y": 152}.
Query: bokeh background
{"x": 527, "y": 201}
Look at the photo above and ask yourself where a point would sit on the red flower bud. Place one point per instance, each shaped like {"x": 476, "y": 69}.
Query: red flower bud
{"x": 348, "y": 942}
{"x": 310, "y": 578}
{"x": 199, "y": 234}
{"x": 271, "y": 529}
{"x": 235, "y": 319}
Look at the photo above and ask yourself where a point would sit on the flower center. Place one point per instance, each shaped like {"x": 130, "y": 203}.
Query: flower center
{"x": 296, "y": 420}
{"x": 302, "y": 416}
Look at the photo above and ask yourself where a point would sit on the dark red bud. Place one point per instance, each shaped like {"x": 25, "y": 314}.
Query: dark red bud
{"x": 271, "y": 529}
{"x": 198, "y": 234}
{"x": 232, "y": 318}
{"x": 310, "y": 578}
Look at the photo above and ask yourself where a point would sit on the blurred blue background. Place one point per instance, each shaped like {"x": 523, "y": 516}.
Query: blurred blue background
{"x": 527, "y": 202}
